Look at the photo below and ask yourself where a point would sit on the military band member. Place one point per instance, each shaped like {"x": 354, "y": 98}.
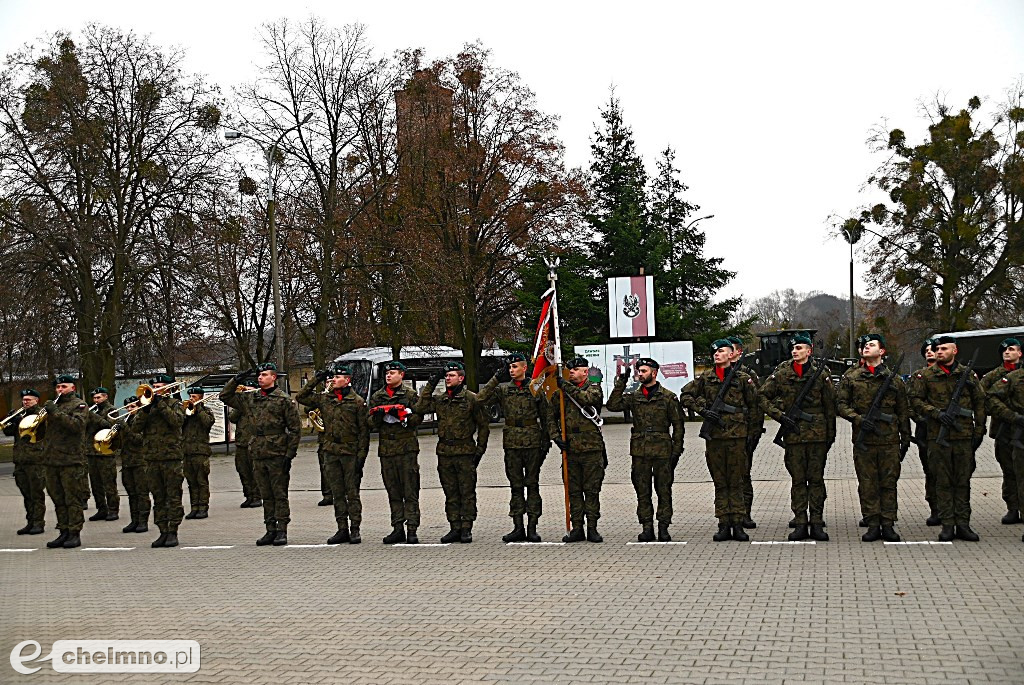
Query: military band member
{"x": 877, "y": 459}
{"x": 243, "y": 462}
{"x": 807, "y": 441}
{"x": 583, "y": 445}
{"x": 65, "y": 460}
{"x": 160, "y": 423}
{"x": 757, "y": 428}
{"x": 392, "y": 417}
{"x": 1010, "y": 353}
{"x": 102, "y": 467}
{"x": 326, "y": 498}
{"x": 921, "y": 439}
{"x": 29, "y": 468}
{"x": 525, "y": 441}
{"x": 1007, "y": 402}
{"x": 346, "y": 441}
{"x": 195, "y": 433}
{"x": 134, "y": 477}
{"x": 273, "y": 443}
{"x": 952, "y": 464}
{"x": 460, "y": 415}
{"x": 655, "y": 444}
{"x": 731, "y": 436}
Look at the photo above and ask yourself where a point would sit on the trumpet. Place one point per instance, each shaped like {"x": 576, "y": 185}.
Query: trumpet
{"x": 314, "y": 415}
{"x": 146, "y": 394}
{"x": 9, "y": 419}
{"x": 103, "y": 441}
{"x": 209, "y": 400}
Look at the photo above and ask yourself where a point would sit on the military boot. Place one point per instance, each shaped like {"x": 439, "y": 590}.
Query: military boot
{"x": 396, "y": 535}
{"x": 873, "y": 534}
{"x": 131, "y": 527}
{"x": 143, "y": 525}
{"x": 592, "y": 534}
{"x": 531, "y": 531}
{"x": 112, "y": 515}
{"x": 467, "y": 533}
{"x": 454, "y": 534}
{"x": 159, "y": 542}
{"x": 946, "y": 534}
{"x": 411, "y": 537}
{"x": 794, "y": 522}
{"x": 863, "y": 523}
{"x": 799, "y": 533}
{"x": 341, "y": 536}
{"x": 72, "y": 540}
{"x": 203, "y": 514}
{"x": 325, "y": 502}
{"x": 518, "y": 533}
{"x": 663, "y": 535}
{"x": 1011, "y": 518}
{"x": 267, "y": 538}
{"x": 171, "y": 540}
{"x": 964, "y": 532}
{"x": 647, "y": 534}
{"x": 817, "y": 532}
{"x": 739, "y": 534}
{"x": 191, "y": 515}
{"x": 724, "y": 533}
{"x": 100, "y": 515}
{"x": 35, "y": 529}
{"x": 933, "y": 519}
{"x": 281, "y": 536}
{"x": 256, "y": 503}
{"x": 574, "y": 535}
{"x": 24, "y": 531}
{"x": 889, "y": 533}
{"x": 245, "y": 503}
{"x": 355, "y": 538}
{"x": 748, "y": 522}
{"x": 59, "y": 541}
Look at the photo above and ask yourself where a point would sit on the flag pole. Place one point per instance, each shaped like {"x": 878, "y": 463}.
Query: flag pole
{"x": 553, "y": 280}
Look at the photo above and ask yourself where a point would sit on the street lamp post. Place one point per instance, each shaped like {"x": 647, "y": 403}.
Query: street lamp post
{"x": 852, "y": 231}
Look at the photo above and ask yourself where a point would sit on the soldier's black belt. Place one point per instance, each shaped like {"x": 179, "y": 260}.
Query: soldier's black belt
{"x": 520, "y": 423}
{"x": 456, "y": 441}
{"x": 650, "y": 430}
{"x": 268, "y": 433}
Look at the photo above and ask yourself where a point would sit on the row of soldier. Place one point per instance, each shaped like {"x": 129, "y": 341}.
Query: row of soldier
{"x": 158, "y": 449}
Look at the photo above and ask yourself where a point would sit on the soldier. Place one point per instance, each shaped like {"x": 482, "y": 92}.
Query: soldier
{"x": 273, "y": 444}
{"x": 29, "y": 469}
{"x": 195, "y": 433}
{"x": 807, "y": 441}
{"x": 884, "y": 445}
{"x": 655, "y": 444}
{"x": 1007, "y": 402}
{"x": 730, "y": 436}
{"x": 346, "y": 441}
{"x": 921, "y": 439}
{"x": 65, "y": 460}
{"x": 326, "y": 499}
{"x": 1010, "y": 352}
{"x": 525, "y": 441}
{"x": 102, "y": 467}
{"x": 160, "y": 423}
{"x": 952, "y": 464}
{"x": 398, "y": 448}
{"x": 583, "y": 444}
{"x": 459, "y": 415}
{"x": 757, "y": 428}
{"x": 133, "y": 471}
{"x": 243, "y": 462}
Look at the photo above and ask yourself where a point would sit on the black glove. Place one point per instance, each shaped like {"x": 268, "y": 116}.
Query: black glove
{"x": 561, "y": 443}
{"x": 712, "y": 415}
{"x": 624, "y": 376}
{"x": 563, "y": 382}
{"x": 947, "y": 420}
{"x": 50, "y": 406}
{"x": 675, "y": 460}
{"x": 904, "y": 448}
{"x": 359, "y": 466}
{"x": 976, "y": 443}
{"x": 751, "y": 444}
{"x": 868, "y": 426}
{"x": 789, "y": 423}
{"x": 434, "y": 379}
{"x": 240, "y": 376}
{"x": 829, "y": 441}
{"x": 1018, "y": 420}
{"x": 479, "y": 455}
{"x": 322, "y": 375}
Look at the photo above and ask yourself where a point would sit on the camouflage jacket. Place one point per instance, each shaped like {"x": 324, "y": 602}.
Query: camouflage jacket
{"x": 581, "y": 435}
{"x": 459, "y": 416}
{"x": 1006, "y": 398}
{"x": 988, "y": 381}
{"x": 699, "y": 394}
{"x": 656, "y": 411}
{"x": 160, "y": 425}
{"x": 346, "y": 423}
{"x": 930, "y": 392}
{"x": 95, "y": 421}
{"x": 525, "y": 413}
{"x": 62, "y": 431}
{"x": 779, "y": 392}
{"x": 25, "y": 451}
{"x": 195, "y": 432}
{"x": 394, "y": 438}
{"x": 242, "y": 432}
{"x": 273, "y": 420}
{"x": 857, "y": 390}
{"x": 132, "y": 453}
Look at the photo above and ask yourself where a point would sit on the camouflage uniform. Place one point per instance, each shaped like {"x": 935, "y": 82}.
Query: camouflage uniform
{"x": 921, "y": 439}
{"x": 273, "y": 443}
{"x": 102, "y": 467}
{"x": 195, "y": 433}
{"x": 806, "y": 450}
{"x": 345, "y": 443}
{"x": 726, "y": 451}
{"x": 30, "y": 473}
{"x": 655, "y": 452}
{"x": 459, "y": 415}
{"x": 160, "y": 426}
{"x": 325, "y": 488}
{"x": 877, "y": 461}
{"x": 585, "y": 454}
{"x": 953, "y": 466}
{"x": 1001, "y": 432}
{"x": 524, "y": 440}
{"x": 133, "y": 472}
{"x": 243, "y": 463}
{"x": 65, "y": 459}
{"x": 756, "y": 423}
{"x": 1006, "y": 399}
{"x": 398, "y": 449}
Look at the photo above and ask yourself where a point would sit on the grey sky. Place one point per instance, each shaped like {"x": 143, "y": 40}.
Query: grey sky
{"x": 767, "y": 104}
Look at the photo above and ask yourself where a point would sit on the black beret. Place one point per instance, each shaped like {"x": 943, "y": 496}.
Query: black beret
{"x": 861, "y": 339}
{"x": 577, "y": 362}
{"x": 162, "y": 378}
{"x": 801, "y": 339}
{"x": 342, "y": 370}
{"x": 130, "y": 400}
{"x": 1009, "y": 342}
{"x": 647, "y": 361}
{"x": 454, "y": 366}
{"x": 720, "y": 343}
{"x": 395, "y": 366}
{"x": 65, "y": 378}
{"x": 875, "y": 336}
{"x": 99, "y": 390}
{"x": 29, "y": 392}
{"x": 943, "y": 340}
{"x": 267, "y": 366}
{"x": 516, "y": 357}
{"x": 925, "y": 345}
{"x": 195, "y": 390}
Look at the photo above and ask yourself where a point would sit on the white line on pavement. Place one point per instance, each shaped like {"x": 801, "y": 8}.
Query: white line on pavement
{"x": 21, "y": 549}
{"x": 107, "y": 549}
{"x": 533, "y": 544}
{"x": 919, "y": 542}
{"x": 322, "y": 544}
{"x": 421, "y": 544}
{"x": 783, "y": 542}
{"x": 655, "y": 543}
{"x": 210, "y": 547}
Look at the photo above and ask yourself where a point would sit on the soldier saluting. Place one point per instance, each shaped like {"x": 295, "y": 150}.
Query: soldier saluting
{"x": 655, "y": 444}
{"x": 1009, "y": 351}
{"x": 962, "y": 427}
{"x": 459, "y": 415}
{"x": 273, "y": 443}
{"x": 525, "y": 441}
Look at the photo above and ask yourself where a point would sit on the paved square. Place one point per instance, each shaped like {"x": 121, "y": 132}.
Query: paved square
{"x": 840, "y": 611}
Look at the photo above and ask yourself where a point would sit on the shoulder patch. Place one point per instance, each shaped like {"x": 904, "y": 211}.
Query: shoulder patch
{"x": 1004, "y": 379}
{"x": 920, "y": 375}
{"x": 771, "y": 376}
{"x": 83, "y": 405}
{"x": 750, "y": 380}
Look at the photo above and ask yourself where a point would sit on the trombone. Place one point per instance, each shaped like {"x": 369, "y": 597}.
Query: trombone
{"x": 146, "y": 393}
{"x": 122, "y": 413}
{"x": 10, "y": 418}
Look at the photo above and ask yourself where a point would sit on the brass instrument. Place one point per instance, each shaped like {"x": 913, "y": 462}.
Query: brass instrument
{"x": 145, "y": 393}
{"x": 9, "y": 419}
{"x": 103, "y": 441}
{"x": 29, "y": 426}
{"x": 314, "y": 415}
{"x": 122, "y": 413}
{"x": 209, "y": 400}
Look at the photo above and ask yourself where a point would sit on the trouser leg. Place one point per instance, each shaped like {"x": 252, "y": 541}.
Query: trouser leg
{"x": 1004, "y": 455}
{"x": 642, "y": 475}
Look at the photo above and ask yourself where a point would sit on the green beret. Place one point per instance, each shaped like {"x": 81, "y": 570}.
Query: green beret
{"x": 516, "y": 357}
{"x": 65, "y": 378}
{"x": 1009, "y": 342}
{"x": 395, "y": 366}
{"x": 736, "y": 341}
{"x": 342, "y": 370}
{"x": 29, "y": 392}
{"x": 130, "y": 400}
{"x": 925, "y": 345}
{"x": 875, "y": 336}
{"x": 801, "y": 339}
{"x": 454, "y": 366}
{"x": 647, "y": 361}
{"x": 722, "y": 342}
{"x": 943, "y": 340}
{"x": 577, "y": 362}
{"x": 861, "y": 339}
{"x": 195, "y": 390}
{"x": 101, "y": 389}
{"x": 162, "y": 378}
{"x": 267, "y": 366}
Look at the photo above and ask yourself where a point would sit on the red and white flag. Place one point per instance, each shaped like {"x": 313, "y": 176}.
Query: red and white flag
{"x": 631, "y": 307}
{"x": 545, "y": 343}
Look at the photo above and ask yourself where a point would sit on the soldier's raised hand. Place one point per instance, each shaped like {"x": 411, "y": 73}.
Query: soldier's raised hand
{"x": 322, "y": 375}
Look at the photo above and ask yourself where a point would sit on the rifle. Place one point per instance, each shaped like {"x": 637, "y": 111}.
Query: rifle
{"x": 874, "y": 413}
{"x": 719, "y": 405}
{"x": 954, "y": 409}
{"x": 796, "y": 411}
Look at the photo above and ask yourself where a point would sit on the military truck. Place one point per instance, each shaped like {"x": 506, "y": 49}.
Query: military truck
{"x": 986, "y": 342}
{"x": 773, "y": 349}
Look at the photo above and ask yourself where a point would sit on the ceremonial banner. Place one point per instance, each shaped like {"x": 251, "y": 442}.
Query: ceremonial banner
{"x": 631, "y": 307}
